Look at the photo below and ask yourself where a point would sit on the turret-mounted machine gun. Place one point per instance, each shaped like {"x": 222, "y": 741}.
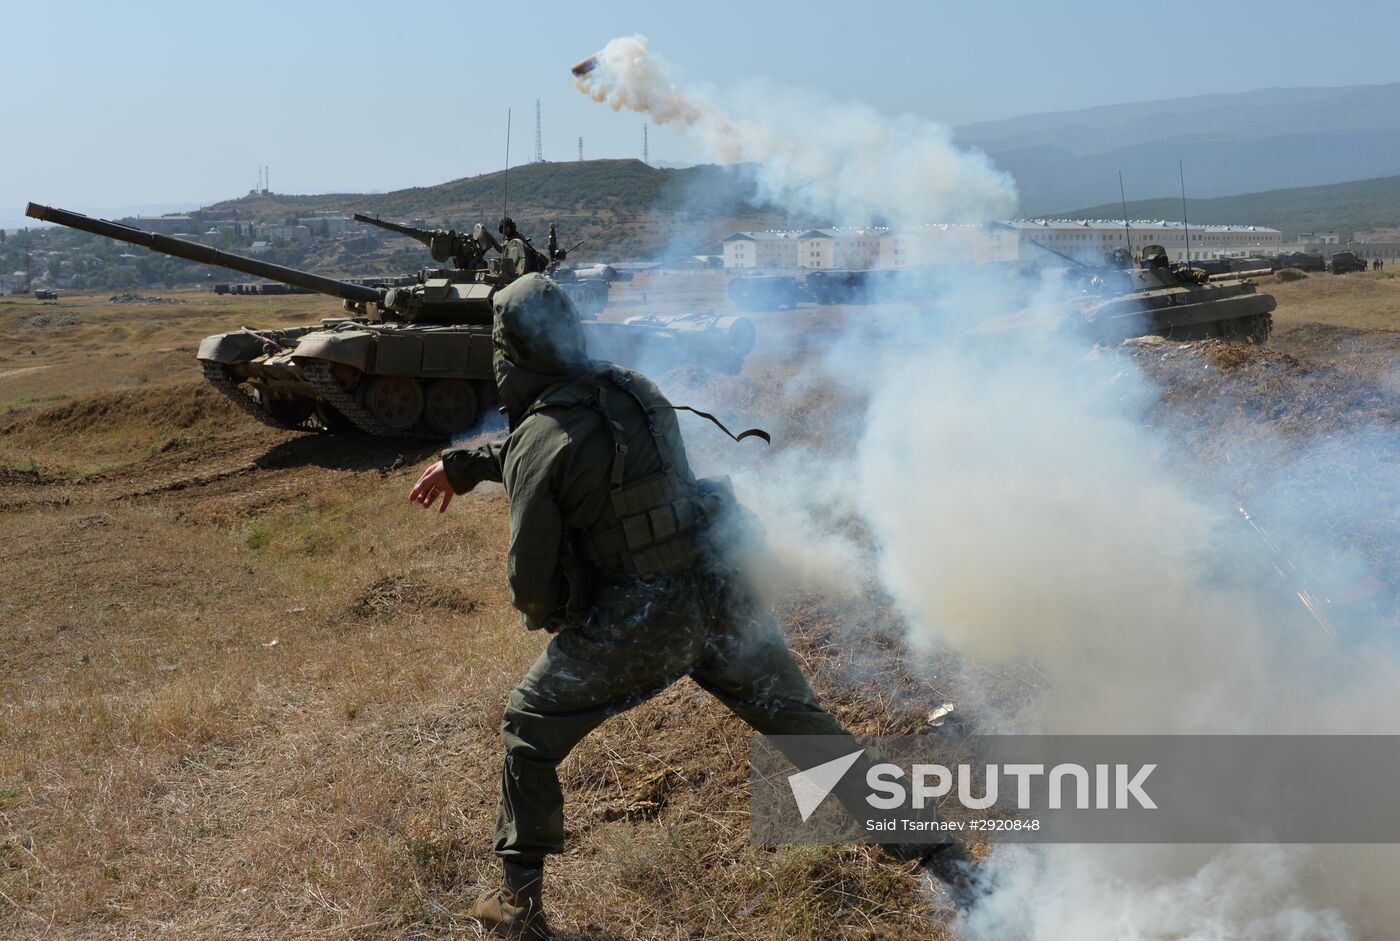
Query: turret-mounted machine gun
{"x": 407, "y": 361}
{"x": 465, "y": 250}
{"x": 468, "y": 252}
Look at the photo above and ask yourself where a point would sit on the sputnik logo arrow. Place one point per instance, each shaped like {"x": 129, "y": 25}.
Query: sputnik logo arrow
{"x": 810, "y": 787}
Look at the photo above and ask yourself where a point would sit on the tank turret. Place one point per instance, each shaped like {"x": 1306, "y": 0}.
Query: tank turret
{"x": 410, "y": 361}
{"x": 468, "y": 252}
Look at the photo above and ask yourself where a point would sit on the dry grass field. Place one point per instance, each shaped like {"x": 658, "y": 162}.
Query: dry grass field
{"x": 248, "y": 691}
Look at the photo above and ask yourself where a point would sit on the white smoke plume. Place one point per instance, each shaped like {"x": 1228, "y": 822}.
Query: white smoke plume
{"x": 844, "y": 162}
{"x": 1018, "y": 506}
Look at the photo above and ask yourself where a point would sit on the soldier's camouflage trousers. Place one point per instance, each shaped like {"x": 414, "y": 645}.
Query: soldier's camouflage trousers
{"x": 640, "y": 638}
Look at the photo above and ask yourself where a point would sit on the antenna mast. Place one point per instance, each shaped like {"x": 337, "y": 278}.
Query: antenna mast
{"x": 505, "y": 182}
{"x": 539, "y": 137}
{"x": 1181, "y": 171}
{"x": 646, "y": 153}
{"x": 1126, "y": 228}
{"x": 580, "y": 150}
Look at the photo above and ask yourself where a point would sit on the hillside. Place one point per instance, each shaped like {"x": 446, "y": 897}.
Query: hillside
{"x": 1341, "y": 207}
{"x": 1231, "y": 143}
{"x": 625, "y": 208}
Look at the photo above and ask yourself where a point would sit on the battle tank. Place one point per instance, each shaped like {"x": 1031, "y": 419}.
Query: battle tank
{"x": 589, "y": 295}
{"x": 410, "y": 361}
{"x": 1120, "y": 300}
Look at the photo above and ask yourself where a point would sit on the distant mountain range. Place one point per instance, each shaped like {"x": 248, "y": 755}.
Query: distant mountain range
{"x": 626, "y": 208}
{"x": 1336, "y": 207}
{"x": 1230, "y": 143}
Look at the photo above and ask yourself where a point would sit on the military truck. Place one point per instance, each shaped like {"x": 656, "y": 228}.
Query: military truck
{"x": 1303, "y": 261}
{"x": 1345, "y": 262}
{"x": 45, "y": 294}
{"x": 409, "y": 361}
{"x": 766, "y": 292}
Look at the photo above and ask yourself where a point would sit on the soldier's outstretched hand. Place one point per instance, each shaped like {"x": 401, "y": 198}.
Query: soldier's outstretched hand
{"x": 432, "y": 484}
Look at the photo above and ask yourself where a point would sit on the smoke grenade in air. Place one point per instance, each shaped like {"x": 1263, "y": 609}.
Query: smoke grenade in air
{"x": 1025, "y": 505}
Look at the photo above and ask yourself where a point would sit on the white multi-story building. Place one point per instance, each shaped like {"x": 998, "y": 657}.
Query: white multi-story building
{"x": 852, "y": 249}
{"x": 772, "y": 249}
{"x": 1089, "y": 240}
{"x": 844, "y": 249}
{"x": 944, "y": 244}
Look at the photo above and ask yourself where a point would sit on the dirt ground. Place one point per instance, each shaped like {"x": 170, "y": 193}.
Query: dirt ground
{"x": 248, "y": 691}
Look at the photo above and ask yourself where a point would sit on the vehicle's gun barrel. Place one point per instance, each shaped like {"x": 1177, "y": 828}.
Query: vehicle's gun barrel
{"x": 195, "y": 251}
{"x": 1072, "y": 260}
{"x": 423, "y": 235}
{"x": 206, "y": 255}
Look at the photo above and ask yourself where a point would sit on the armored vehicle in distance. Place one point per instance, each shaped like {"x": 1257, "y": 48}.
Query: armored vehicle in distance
{"x": 1345, "y": 263}
{"x": 404, "y": 361}
{"x": 1178, "y": 302}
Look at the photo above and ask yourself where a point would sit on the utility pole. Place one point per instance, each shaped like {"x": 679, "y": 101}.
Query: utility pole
{"x": 580, "y": 150}
{"x": 646, "y": 153}
{"x": 539, "y": 136}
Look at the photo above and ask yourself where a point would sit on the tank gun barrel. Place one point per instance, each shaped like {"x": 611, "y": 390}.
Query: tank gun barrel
{"x": 423, "y": 235}
{"x": 195, "y": 251}
{"x": 1072, "y": 260}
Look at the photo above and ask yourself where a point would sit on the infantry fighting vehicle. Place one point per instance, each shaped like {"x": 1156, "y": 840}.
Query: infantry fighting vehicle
{"x": 590, "y": 295}
{"x": 404, "y": 361}
{"x": 1115, "y": 302}
{"x": 1345, "y": 262}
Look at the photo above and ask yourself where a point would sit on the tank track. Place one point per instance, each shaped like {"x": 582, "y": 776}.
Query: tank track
{"x": 219, "y": 378}
{"x": 1254, "y": 330}
{"x": 329, "y": 388}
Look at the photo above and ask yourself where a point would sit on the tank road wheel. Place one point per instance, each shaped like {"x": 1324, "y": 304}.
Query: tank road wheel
{"x": 396, "y": 401}
{"x": 288, "y": 410}
{"x": 450, "y": 406}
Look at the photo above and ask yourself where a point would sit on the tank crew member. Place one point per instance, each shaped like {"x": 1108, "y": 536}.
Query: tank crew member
{"x": 527, "y": 259}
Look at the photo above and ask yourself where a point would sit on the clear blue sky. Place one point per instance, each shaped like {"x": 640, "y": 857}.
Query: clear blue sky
{"x": 117, "y": 105}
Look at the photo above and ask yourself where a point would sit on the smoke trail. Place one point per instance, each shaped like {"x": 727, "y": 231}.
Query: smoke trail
{"x": 1024, "y": 500}
{"x": 844, "y": 162}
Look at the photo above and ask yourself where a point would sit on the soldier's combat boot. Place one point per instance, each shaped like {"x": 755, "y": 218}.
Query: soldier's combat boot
{"x": 516, "y": 909}
{"x": 949, "y": 863}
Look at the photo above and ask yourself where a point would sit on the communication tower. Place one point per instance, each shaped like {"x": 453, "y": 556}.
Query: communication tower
{"x": 539, "y": 136}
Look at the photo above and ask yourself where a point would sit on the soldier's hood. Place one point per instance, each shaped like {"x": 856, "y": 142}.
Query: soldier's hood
{"x": 537, "y": 342}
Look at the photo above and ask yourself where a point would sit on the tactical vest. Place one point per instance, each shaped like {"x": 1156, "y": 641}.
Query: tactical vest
{"x": 650, "y": 526}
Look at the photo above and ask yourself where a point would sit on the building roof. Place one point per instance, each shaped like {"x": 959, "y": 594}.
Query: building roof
{"x": 769, "y": 235}
{"x": 1069, "y": 225}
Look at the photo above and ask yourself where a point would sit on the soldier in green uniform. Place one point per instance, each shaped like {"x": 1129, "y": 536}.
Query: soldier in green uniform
{"x": 617, "y": 550}
{"x": 524, "y": 257}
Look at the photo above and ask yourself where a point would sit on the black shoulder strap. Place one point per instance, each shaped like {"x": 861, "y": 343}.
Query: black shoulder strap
{"x": 748, "y": 433}
{"x": 585, "y": 388}
{"x": 649, "y": 409}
